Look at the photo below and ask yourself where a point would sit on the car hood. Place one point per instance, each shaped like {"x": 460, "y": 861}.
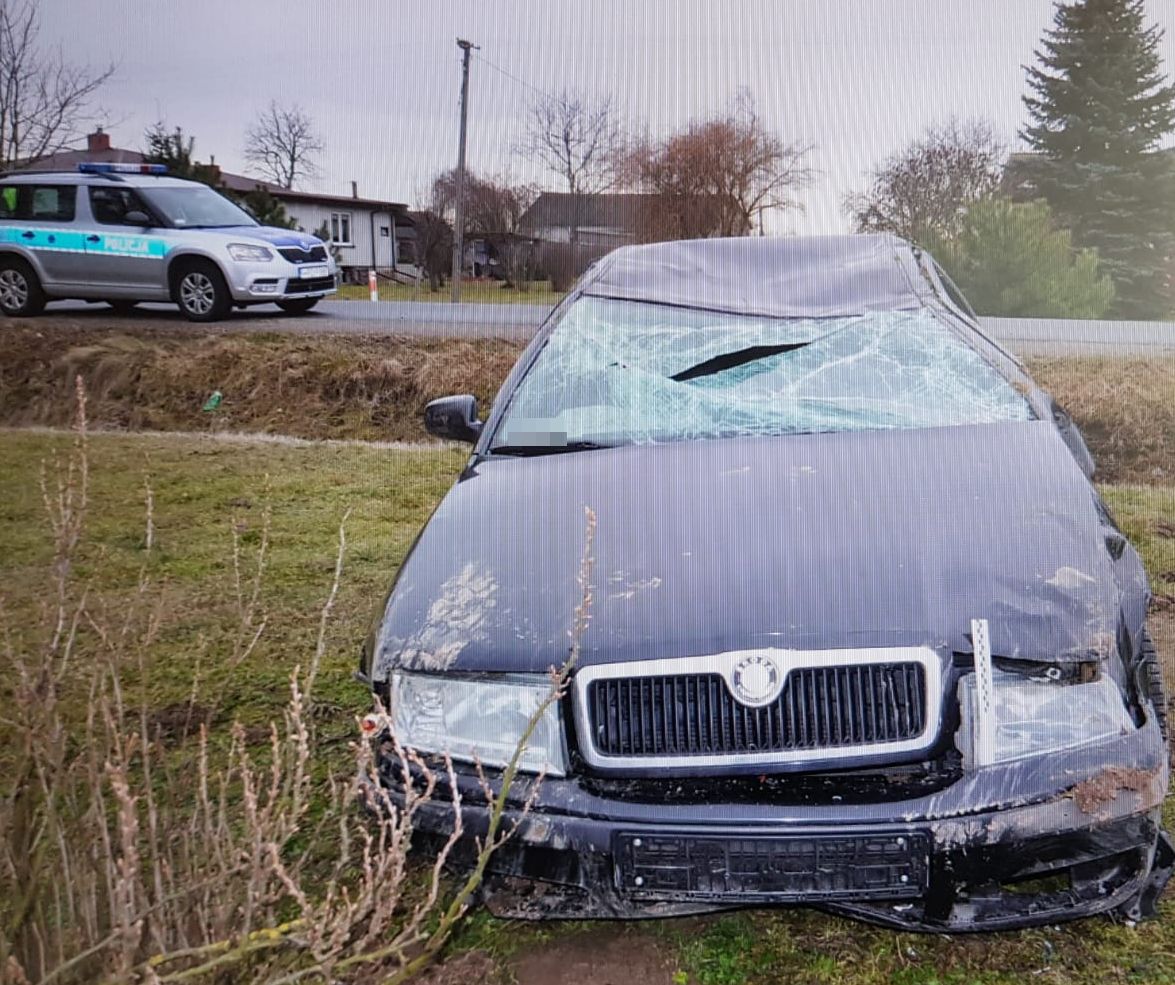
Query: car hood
{"x": 277, "y": 237}
{"x": 822, "y": 541}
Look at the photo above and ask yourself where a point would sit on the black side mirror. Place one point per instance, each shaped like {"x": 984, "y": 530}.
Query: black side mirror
{"x": 1073, "y": 438}
{"x": 454, "y": 418}
{"x": 136, "y": 218}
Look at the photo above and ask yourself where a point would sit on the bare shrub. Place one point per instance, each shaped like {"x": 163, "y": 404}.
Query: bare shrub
{"x": 717, "y": 177}
{"x": 562, "y": 263}
{"x": 923, "y": 191}
{"x": 123, "y": 859}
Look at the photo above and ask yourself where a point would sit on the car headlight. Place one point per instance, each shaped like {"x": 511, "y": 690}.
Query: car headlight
{"x": 247, "y": 251}
{"x": 482, "y": 718}
{"x": 1035, "y": 715}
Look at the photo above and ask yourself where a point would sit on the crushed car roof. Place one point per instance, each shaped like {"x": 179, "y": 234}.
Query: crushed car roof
{"x": 786, "y": 277}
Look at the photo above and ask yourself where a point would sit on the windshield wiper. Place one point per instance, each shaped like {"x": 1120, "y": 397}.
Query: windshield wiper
{"x": 728, "y": 360}
{"x": 527, "y": 450}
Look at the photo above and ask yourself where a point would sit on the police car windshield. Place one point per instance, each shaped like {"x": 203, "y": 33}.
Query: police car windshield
{"x": 198, "y": 207}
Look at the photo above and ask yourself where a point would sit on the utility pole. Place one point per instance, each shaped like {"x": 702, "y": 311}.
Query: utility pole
{"x": 459, "y": 217}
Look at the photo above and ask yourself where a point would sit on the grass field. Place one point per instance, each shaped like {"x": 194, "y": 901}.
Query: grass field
{"x": 203, "y": 487}
{"x": 477, "y": 291}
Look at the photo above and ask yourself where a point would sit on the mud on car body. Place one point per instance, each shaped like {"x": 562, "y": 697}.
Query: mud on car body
{"x": 863, "y": 634}
{"x": 124, "y": 233}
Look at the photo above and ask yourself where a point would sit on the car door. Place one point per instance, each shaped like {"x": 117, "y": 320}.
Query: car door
{"x": 40, "y": 219}
{"x": 124, "y": 258}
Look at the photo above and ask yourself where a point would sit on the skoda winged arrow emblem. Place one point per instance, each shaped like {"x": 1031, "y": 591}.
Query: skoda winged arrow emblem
{"x": 756, "y": 679}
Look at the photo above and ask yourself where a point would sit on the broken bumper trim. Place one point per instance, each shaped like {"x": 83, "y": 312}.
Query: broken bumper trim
{"x": 1019, "y": 857}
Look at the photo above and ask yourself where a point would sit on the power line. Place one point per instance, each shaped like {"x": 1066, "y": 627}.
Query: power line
{"x": 510, "y": 75}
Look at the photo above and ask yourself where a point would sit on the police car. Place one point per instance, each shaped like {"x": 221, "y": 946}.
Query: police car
{"x": 123, "y": 233}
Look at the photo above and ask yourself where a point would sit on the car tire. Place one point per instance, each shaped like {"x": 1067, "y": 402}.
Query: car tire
{"x": 200, "y": 291}
{"x": 297, "y": 307}
{"x": 20, "y": 290}
{"x": 1152, "y": 670}
{"x": 123, "y": 307}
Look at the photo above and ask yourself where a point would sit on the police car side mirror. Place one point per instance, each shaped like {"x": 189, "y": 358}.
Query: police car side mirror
{"x": 136, "y": 218}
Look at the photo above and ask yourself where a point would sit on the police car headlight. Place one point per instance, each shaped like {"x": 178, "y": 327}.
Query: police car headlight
{"x": 479, "y": 718}
{"x": 246, "y": 251}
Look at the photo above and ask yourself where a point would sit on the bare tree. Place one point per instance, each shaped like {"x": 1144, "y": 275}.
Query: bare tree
{"x": 44, "y": 102}
{"x": 923, "y": 191}
{"x": 717, "y": 177}
{"x": 283, "y": 143}
{"x": 492, "y": 205}
{"x": 580, "y": 140}
{"x": 494, "y": 210}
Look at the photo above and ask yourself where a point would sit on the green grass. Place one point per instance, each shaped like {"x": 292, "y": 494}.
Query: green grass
{"x": 202, "y": 487}
{"x": 479, "y": 291}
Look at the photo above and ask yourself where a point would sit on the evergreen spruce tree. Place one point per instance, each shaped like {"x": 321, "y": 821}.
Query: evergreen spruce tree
{"x": 1100, "y": 107}
{"x": 173, "y": 149}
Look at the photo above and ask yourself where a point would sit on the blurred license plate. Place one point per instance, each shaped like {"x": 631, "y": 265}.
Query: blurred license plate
{"x": 786, "y": 868}
{"x": 310, "y": 272}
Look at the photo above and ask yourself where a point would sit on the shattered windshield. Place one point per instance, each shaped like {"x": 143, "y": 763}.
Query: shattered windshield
{"x": 621, "y": 372}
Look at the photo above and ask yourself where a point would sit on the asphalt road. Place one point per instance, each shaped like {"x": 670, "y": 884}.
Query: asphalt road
{"x": 518, "y": 322}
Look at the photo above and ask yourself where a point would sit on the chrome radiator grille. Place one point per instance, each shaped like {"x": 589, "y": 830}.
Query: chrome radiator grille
{"x": 828, "y": 706}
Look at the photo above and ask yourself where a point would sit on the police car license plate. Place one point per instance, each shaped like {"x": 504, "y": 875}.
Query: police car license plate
{"x": 311, "y": 272}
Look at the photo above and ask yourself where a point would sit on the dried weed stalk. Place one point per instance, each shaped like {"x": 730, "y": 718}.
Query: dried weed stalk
{"x": 124, "y": 861}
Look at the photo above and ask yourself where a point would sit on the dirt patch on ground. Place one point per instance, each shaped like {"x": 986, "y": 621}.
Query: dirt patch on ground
{"x": 159, "y": 377}
{"x": 608, "y": 956}
{"x": 472, "y": 966}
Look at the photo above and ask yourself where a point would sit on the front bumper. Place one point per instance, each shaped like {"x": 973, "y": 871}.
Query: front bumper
{"x": 1037, "y": 841}
{"x": 278, "y": 280}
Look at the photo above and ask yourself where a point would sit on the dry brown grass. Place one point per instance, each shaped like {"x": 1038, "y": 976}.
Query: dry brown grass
{"x": 121, "y": 863}
{"x": 307, "y": 386}
{"x": 1125, "y": 409}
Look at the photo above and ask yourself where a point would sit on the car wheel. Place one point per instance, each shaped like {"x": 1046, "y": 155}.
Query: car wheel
{"x": 20, "y": 291}
{"x": 201, "y": 292}
{"x": 123, "y": 307}
{"x": 1153, "y": 676}
{"x": 299, "y": 307}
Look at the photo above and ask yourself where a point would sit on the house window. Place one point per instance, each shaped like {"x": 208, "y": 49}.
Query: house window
{"x": 385, "y": 231}
{"x": 340, "y": 228}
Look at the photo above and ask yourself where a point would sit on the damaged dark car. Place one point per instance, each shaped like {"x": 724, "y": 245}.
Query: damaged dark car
{"x": 863, "y": 635}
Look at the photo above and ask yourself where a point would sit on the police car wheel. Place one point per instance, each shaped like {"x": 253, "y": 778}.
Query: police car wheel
{"x": 20, "y": 291}
{"x": 298, "y": 307}
{"x": 201, "y": 293}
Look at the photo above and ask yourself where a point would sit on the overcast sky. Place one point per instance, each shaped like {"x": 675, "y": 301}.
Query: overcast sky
{"x": 855, "y": 78}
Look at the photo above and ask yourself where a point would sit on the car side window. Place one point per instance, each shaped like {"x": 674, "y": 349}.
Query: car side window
{"x": 53, "y": 203}
{"x": 47, "y": 203}
{"x": 111, "y": 205}
{"x": 9, "y": 201}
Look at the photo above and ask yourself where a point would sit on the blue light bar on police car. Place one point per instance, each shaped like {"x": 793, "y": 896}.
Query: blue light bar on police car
{"x": 94, "y": 167}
